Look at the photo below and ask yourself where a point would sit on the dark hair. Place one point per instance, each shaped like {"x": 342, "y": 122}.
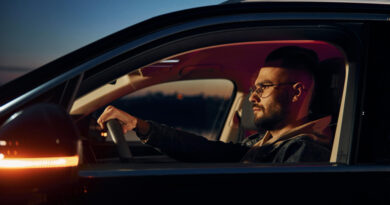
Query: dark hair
{"x": 297, "y": 58}
{"x": 294, "y": 57}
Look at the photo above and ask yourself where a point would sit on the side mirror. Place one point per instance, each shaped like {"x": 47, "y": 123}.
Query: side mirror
{"x": 39, "y": 152}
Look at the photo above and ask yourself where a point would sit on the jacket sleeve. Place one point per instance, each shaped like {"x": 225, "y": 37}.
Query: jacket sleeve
{"x": 189, "y": 147}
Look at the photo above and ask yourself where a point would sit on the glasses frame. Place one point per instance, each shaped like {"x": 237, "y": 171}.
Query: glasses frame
{"x": 263, "y": 86}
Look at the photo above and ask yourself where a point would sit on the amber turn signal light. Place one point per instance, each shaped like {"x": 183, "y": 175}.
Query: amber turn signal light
{"x": 40, "y": 162}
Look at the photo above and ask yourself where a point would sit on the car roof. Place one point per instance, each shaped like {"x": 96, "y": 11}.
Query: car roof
{"x": 324, "y": 1}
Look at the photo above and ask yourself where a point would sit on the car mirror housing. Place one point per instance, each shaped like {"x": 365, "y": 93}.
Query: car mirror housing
{"x": 39, "y": 148}
{"x": 42, "y": 130}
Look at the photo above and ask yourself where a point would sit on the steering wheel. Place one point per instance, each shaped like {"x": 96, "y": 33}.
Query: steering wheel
{"x": 115, "y": 131}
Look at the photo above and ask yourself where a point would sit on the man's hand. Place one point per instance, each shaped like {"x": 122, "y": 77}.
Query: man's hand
{"x": 128, "y": 121}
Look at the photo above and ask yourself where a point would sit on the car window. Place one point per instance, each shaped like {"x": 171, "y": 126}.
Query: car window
{"x": 196, "y": 106}
{"x": 166, "y": 92}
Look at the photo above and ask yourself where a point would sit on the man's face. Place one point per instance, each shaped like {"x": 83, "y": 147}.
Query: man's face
{"x": 271, "y": 109}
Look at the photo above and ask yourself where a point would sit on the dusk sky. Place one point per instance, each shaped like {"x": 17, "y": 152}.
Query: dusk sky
{"x": 34, "y": 33}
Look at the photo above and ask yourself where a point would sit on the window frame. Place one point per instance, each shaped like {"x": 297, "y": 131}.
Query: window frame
{"x": 336, "y": 35}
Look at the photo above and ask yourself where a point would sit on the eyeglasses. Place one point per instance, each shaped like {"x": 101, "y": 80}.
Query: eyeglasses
{"x": 262, "y": 89}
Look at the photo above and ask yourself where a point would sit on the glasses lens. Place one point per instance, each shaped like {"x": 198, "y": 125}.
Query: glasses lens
{"x": 267, "y": 91}
{"x": 253, "y": 90}
{"x": 259, "y": 91}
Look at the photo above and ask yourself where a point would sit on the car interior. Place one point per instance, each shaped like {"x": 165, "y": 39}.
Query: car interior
{"x": 226, "y": 71}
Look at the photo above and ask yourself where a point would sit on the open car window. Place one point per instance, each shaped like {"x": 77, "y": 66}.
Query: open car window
{"x": 205, "y": 91}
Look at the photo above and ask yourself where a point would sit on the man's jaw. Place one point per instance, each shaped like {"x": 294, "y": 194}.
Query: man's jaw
{"x": 258, "y": 112}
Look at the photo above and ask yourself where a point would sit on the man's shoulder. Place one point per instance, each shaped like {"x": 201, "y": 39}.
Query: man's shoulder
{"x": 306, "y": 140}
{"x": 302, "y": 148}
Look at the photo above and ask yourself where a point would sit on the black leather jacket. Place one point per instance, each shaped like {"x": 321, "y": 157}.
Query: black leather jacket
{"x": 188, "y": 147}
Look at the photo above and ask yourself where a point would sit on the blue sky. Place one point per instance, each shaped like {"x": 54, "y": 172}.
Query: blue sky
{"x": 35, "y": 32}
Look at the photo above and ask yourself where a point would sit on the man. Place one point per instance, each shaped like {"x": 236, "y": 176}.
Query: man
{"x": 281, "y": 99}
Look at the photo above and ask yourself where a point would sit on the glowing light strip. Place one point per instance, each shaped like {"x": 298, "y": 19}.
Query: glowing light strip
{"x": 170, "y": 61}
{"x": 43, "y": 162}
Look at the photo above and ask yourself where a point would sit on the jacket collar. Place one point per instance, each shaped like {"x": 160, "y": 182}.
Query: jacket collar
{"x": 318, "y": 130}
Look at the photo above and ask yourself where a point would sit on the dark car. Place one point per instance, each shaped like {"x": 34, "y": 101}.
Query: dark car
{"x": 192, "y": 70}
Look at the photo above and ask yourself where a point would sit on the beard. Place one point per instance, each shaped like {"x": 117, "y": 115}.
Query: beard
{"x": 275, "y": 115}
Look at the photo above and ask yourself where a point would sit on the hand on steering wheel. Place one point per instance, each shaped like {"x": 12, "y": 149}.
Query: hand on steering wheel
{"x": 110, "y": 118}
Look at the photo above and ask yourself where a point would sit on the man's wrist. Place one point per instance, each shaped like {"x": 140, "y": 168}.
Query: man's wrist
{"x": 143, "y": 129}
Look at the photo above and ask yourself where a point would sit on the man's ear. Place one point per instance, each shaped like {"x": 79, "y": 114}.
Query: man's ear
{"x": 298, "y": 91}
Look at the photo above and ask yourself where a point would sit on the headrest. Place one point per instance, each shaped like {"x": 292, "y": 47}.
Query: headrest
{"x": 330, "y": 77}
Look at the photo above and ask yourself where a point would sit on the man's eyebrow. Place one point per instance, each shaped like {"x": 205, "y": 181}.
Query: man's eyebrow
{"x": 264, "y": 82}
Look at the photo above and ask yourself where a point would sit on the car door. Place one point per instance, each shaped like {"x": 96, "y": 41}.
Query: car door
{"x": 356, "y": 30}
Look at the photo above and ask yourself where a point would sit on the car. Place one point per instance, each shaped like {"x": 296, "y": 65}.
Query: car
{"x": 191, "y": 70}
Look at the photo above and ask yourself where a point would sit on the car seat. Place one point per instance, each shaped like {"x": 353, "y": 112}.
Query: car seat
{"x": 326, "y": 101}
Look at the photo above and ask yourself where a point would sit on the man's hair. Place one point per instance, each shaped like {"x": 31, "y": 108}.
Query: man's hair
{"x": 298, "y": 59}
{"x": 295, "y": 58}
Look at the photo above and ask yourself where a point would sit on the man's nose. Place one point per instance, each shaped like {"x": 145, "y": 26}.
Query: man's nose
{"x": 253, "y": 97}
